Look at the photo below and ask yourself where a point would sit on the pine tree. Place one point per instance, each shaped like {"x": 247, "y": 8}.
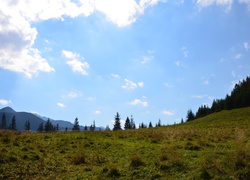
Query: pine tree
{"x": 117, "y": 124}
{"x": 132, "y": 123}
{"x": 40, "y": 127}
{"x": 49, "y": 126}
{"x": 159, "y": 123}
{"x": 85, "y": 128}
{"x": 190, "y": 115}
{"x": 107, "y": 128}
{"x": 3, "y": 124}
{"x": 127, "y": 124}
{"x": 76, "y": 126}
{"x": 13, "y": 124}
{"x": 27, "y": 126}
{"x": 150, "y": 125}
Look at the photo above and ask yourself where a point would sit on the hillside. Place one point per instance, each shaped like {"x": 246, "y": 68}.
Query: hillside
{"x": 213, "y": 147}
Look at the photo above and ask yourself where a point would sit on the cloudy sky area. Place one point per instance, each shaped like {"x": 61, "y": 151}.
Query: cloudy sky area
{"x": 153, "y": 59}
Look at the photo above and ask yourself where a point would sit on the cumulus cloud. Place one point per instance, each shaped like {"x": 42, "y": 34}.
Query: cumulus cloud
{"x": 130, "y": 85}
{"x": 238, "y": 56}
{"x": 139, "y": 102}
{"x": 167, "y": 113}
{"x": 17, "y": 38}
{"x": 74, "y": 62}
{"x": 4, "y": 102}
{"x": 61, "y": 105}
{"x": 122, "y": 12}
{"x": 168, "y": 85}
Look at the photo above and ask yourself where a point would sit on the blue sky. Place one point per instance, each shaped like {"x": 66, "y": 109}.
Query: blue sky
{"x": 152, "y": 59}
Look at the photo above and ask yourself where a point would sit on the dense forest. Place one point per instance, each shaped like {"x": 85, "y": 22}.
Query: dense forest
{"x": 239, "y": 98}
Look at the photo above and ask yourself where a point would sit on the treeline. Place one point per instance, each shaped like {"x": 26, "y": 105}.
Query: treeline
{"x": 239, "y": 98}
{"x": 130, "y": 123}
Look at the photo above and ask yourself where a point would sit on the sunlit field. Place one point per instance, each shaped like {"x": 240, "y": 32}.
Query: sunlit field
{"x": 213, "y": 147}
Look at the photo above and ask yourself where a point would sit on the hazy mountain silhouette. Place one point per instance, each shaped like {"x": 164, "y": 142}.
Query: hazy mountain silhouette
{"x": 34, "y": 119}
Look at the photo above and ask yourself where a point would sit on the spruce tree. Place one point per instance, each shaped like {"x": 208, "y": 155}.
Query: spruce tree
{"x": 127, "y": 124}
{"x": 27, "y": 126}
{"x": 117, "y": 124}
{"x": 3, "y": 124}
{"x": 150, "y": 125}
{"x": 190, "y": 115}
{"x": 76, "y": 126}
{"x": 40, "y": 127}
{"x": 13, "y": 124}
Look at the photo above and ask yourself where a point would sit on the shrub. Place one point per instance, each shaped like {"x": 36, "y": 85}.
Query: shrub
{"x": 136, "y": 161}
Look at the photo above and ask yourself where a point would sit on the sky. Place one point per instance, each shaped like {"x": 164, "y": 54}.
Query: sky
{"x": 152, "y": 59}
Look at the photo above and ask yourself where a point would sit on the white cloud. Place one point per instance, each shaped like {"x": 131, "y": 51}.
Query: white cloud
{"x": 247, "y": 2}
{"x": 205, "y": 3}
{"x": 61, "y": 105}
{"x": 74, "y": 63}
{"x": 4, "y": 102}
{"x": 238, "y": 56}
{"x": 140, "y": 84}
{"x": 168, "y": 85}
{"x": 123, "y": 12}
{"x": 245, "y": 44}
{"x": 17, "y": 38}
{"x": 199, "y": 96}
{"x": 184, "y": 51}
{"x": 167, "y": 113}
{"x": 130, "y": 85}
{"x": 115, "y": 76}
{"x": 139, "y": 102}
{"x": 73, "y": 94}
{"x": 90, "y": 99}
{"x": 97, "y": 112}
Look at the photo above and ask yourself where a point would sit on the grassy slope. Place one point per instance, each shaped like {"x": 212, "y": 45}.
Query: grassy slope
{"x": 216, "y": 146}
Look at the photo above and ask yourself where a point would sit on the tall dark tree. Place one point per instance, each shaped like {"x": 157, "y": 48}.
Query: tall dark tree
{"x": 92, "y": 126}
{"x": 49, "y": 126}
{"x": 127, "y": 124}
{"x": 190, "y": 115}
{"x": 3, "y": 124}
{"x": 159, "y": 123}
{"x": 150, "y": 125}
{"x": 27, "y": 126}
{"x": 76, "y": 126}
{"x": 13, "y": 124}
{"x": 40, "y": 127}
{"x": 117, "y": 124}
{"x": 132, "y": 122}
{"x": 85, "y": 128}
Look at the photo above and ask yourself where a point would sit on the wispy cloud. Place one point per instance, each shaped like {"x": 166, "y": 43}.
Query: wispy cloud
{"x": 74, "y": 62}
{"x": 4, "y": 102}
{"x": 168, "y": 113}
{"x": 61, "y": 105}
{"x": 238, "y": 56}
{"x": 245, "y": 44}
{"x": 117, "y": 76}
{"x": 225, "y": 3}
{"x": 130, "y": 85}
{"x": 73, "y": 94}
{"x": 184, "y": 51}
{"x": 97, "y": 112}
{"x": 199, "y": 96}
{"x": 168, "y": 85}
{"x": 139, "y": 102}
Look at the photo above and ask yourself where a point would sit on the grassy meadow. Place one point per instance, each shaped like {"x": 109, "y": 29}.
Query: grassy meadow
{"x": 213, "y": 147}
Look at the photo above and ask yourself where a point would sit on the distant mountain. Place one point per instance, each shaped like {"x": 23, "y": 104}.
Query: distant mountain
{"x": 7, "y": 110}
{"x": 34, "y": 119}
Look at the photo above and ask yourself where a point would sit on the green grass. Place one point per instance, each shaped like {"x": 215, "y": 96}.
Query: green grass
{"x": 213, "y": 147}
